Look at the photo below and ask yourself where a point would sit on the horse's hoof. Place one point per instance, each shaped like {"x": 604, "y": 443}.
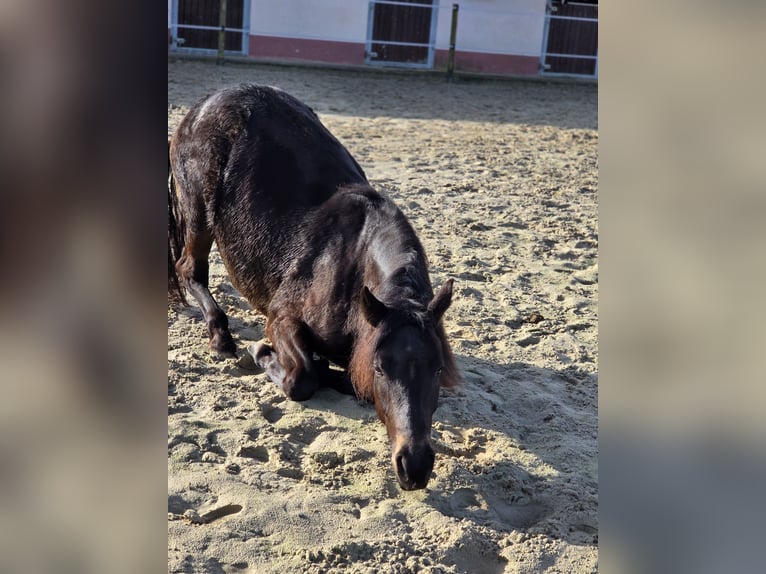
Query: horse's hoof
{"x": 223, "y": 346}
{"x": 217, "y": 355}
{"x": 247, "y": 360}
{"x": 262, "y": 353}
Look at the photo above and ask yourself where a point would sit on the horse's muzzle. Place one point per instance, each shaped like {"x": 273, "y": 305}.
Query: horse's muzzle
{"x": 413, "y": 465}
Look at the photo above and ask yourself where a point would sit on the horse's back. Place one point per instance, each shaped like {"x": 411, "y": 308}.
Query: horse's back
{"x": 262, "y": 163}
{"x": 264, "y": 144}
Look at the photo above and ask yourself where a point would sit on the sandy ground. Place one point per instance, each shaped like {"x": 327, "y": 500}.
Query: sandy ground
{"x": 500, "y": 181}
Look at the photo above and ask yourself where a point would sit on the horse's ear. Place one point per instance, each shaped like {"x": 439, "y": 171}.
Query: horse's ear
{"x": 374, "y": 310}
{"x": 441, "y": 301}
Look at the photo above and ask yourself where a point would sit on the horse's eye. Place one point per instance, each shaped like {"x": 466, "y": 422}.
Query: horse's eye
{"x": 438, "y": 372}
{"x": 378, "y": 370}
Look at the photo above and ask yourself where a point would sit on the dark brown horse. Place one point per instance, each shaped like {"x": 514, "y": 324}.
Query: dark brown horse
{"x": 335, "y": 266}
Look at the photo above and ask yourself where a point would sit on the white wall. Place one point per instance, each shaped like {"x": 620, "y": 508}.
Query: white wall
{"x": 340, "y": 20}
{"x": 494, "y": 26}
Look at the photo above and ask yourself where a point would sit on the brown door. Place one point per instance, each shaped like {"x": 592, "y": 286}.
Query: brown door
{"x": 575, "y": 37}
{"x": 206, "y": 13}
{"x": 391, "y": 23}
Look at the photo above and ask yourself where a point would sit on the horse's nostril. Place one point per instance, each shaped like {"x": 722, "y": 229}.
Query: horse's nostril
{"x": 400, "y": 465}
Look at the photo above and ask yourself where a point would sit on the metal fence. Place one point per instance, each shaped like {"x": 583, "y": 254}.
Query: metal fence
{"x": 570, "y": 41}
{"x": 196, "y": 26}
{"x": 401, "y": 33}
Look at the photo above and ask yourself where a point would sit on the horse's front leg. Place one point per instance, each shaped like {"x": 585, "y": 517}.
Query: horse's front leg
{"x": 289, "y": 363}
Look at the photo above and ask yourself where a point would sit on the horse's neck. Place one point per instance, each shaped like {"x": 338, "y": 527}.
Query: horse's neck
{"x": 395, "y": 262}
{"x": 409, "y": 283}
{"x": 391, "y": 249}
{"x": 395, "y": 270}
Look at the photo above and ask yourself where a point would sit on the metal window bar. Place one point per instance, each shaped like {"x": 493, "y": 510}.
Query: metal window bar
{"x": 571, "y": 56}
{"x": 544, "y": 54}
{"x": 245, "y": 39}
{"x": 576, "y": 18}
{"x": 395, "y": 43}
{"x": 175, "y": 26}
{"x": 215, "y": 28}
{"x": 430, "y": 45}
{"x": 394, "y": 3}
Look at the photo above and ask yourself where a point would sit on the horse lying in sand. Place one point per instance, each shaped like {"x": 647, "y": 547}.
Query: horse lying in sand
{"x": 334, "y": 266}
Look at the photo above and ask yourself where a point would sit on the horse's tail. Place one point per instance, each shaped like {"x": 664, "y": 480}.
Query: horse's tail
{"x": 176, "y": 239}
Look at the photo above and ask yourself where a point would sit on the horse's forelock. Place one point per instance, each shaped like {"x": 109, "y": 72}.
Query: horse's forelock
{"x": 361, "y": 365}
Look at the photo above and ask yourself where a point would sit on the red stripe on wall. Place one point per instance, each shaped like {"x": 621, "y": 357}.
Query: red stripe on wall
{"x": 490, "y": 63}
{"x": 307, "y": 50}
{"x": 273, "y": 47}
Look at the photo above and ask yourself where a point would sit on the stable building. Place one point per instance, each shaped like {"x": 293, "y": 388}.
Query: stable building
{"x": 502, "y": 37}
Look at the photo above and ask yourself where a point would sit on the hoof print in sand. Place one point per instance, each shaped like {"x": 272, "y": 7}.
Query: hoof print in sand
{"x": 211, "y": 515}
{"x": 272, "y": 413}
{"x": 293, "y": 473}
{"x": 527, "y": 341}
{"x": 259, "y": 453}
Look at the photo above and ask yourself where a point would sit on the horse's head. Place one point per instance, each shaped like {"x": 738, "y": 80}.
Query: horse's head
{"x": 409, "y": 361}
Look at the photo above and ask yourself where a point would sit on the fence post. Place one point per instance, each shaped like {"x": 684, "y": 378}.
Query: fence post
{"x": 452, "y": 36}
{"x": 221, "y": 32}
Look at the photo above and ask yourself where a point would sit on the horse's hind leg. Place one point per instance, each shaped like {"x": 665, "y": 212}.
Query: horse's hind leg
{"x": 193, "y": 269}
